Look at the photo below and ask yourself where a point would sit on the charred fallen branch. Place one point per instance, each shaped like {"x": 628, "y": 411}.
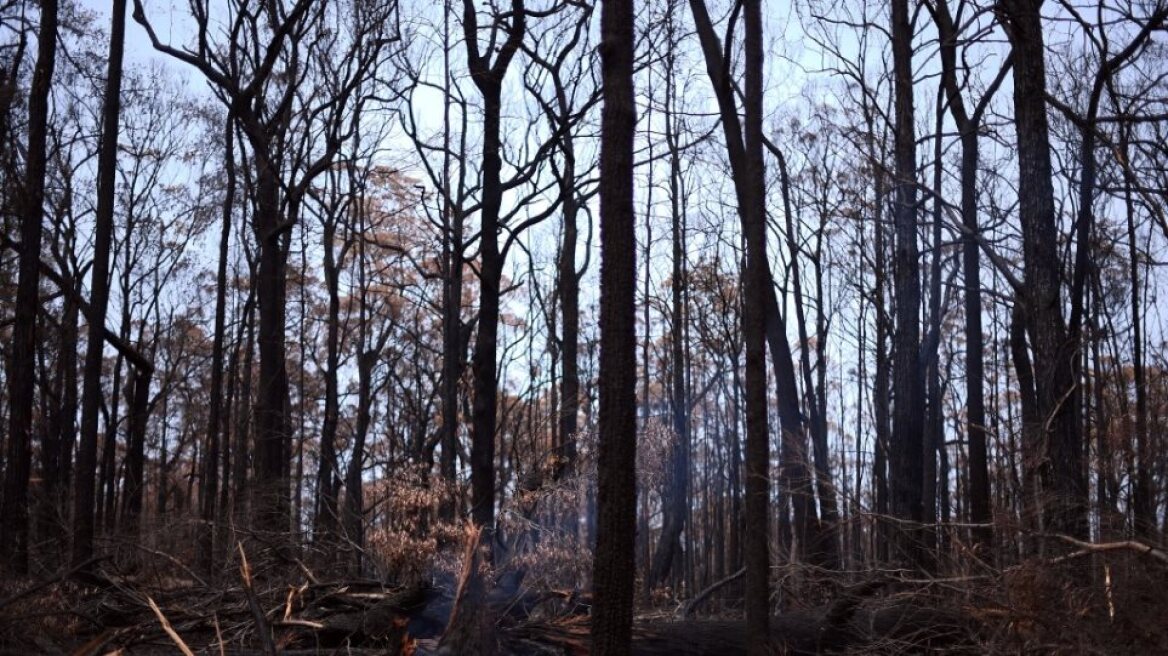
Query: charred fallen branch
{"x": 1102, "y": 597}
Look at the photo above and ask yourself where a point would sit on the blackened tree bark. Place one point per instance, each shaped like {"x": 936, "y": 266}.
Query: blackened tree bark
{"x": 794, "y": 474}
{"x": 881, "y": 409}
{"x": 133, "y": 488}
{"x": 209, "y": 493}
{"x": 488, "y": 77}
{"x": 756, "y": 288}
{"x": 614, "y": 563}
{"x": 978, "y": 492}
{"x": 821, "y": 540}
{"x": 1110, "y": 64}
{"x": 906, "y": 449}
{"x": 20, "y": 374}
{"x": 676, "y": 501}
{"x": 568, "y": 282}
{"x": 1143, "y": 494}
{"x": 452, "y": 327}
{"x": 1056, "y": 449}
{"x": 326, "y": 479}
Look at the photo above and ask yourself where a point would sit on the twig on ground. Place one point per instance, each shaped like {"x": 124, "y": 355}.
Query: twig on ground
{"x": 254, "y": 604}
{"x": 169, "y": 629}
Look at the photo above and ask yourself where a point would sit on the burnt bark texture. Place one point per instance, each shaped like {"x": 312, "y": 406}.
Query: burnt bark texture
{"x": 614, "y": 568}
{"x": 488, "y": 78}
{"x": 906, "y": 450}
{"x": 1054, "y": 451}
{"x": 22, "y": 364}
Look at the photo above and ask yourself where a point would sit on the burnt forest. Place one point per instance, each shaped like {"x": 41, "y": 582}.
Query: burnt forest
{"x": 583, "y": 327}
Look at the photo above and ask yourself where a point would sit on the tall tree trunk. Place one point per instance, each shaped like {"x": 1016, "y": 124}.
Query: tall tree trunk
{"x": 613, "y": 569}
{"x": 244, "y": 421}
{"x": 61, "y": 434}
{"x": 822, "y": 544}
{"x": 757, "y": 287}
{"x": 568, "y": 282}
{"x": 978, "y": 491}
{"x": 794, "y": 470}
{"x": 1058, "y": 447}
{"x": 933, "y": 429}
{"x": 271, "y": 497}
{"x": 20, "y": 374}
{"x": 354, "y": 516}
{"x": 488, "y": 77}
{"x": 133, "y": 487}
{"x": 906, "y": 449}
{"x": 744, "y": 146}
{"x": 209, "y": 491}
{"x": 83, "y": 495}
{"x": 676, "y": 502}
{"x": 881, "y": 408}
{"x": 326, "y": 512}
{"x": 452, "y": 330}
{"x": 1143, "y": 494}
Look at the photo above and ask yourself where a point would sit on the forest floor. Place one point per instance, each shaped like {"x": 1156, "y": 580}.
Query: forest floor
{"x": 1112, "y": 602}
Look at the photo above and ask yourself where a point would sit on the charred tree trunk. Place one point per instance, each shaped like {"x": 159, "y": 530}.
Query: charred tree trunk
{"x": 271, "y": 497}
{"x": 676, "y": 500}
{"x": 568, "y": 282}
{"x": 326, "y": 513}
{"x": 614, "y": 567}
{"x": 133, "y": 487}
{"x": 968, "y": 125}
{"x": 756, "y": 289}
{"x": 83, "y": 496}
{"x": 209, "y": 492}
{"x": 906, "y": 448}
{"x": 452, "y": 329}
{"x": 488, "y": 77}
{"x": 1058, "y": 447}
{"x": 1143, "y": 495}
{"x": 822, "y": 545}
{"x": 22, "y": 365}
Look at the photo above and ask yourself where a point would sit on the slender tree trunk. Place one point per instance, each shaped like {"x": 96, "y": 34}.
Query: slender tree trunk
{"x": 209, "y": 491}
{"x": 1143, "y": 494}
{"x": 326, "y": 514}
{"x": 821, "y": 546}
{"x": 1058, "y": 440}
{"x": 133, "y": 487}
{"x": 676, "y": 501}
{"x": 906, "y": 449}
{"x": 488, "y": 77}
{"x": 978, "y": 492}
{"x": 20, "y": 374}
{"x": 569, "y": 291}
{"x": 484, "y": 362}
{"x": 933, "y": 431}
{"x": 881, "y": 385}
{"x": 83, "y": 506}
{"x": 452, "y": 330}
{"x": 245, "y": 422}
{"x": 757, "y": 287}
